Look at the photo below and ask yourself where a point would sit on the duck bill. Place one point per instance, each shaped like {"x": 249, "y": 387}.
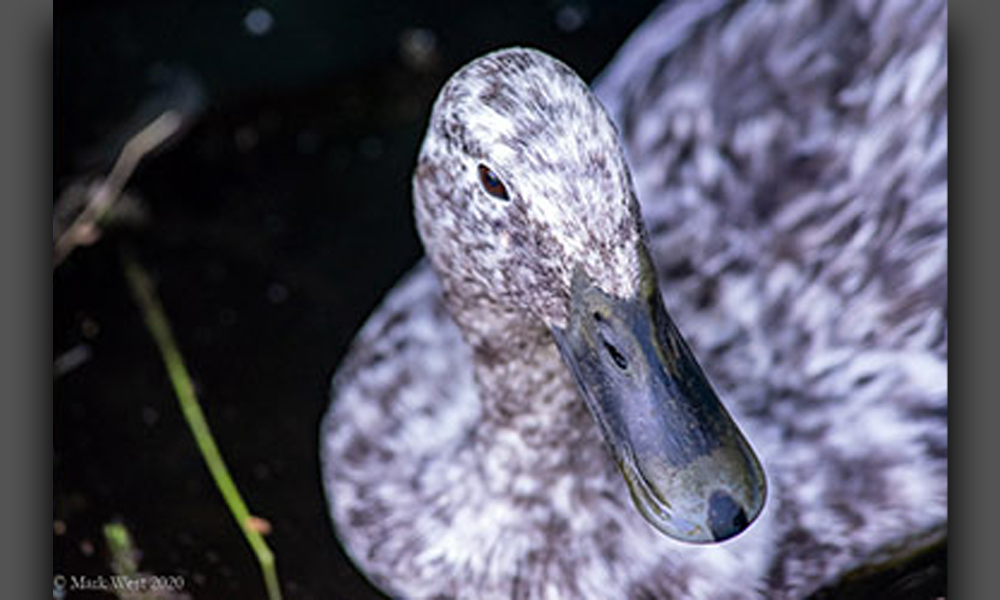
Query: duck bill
{"x": 690, "y": 471}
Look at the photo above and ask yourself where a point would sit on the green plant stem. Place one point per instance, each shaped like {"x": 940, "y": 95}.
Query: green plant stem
{"x": 159, "y": 327}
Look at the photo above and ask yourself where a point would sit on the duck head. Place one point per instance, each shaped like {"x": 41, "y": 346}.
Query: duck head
{"x": 525, "y": 205}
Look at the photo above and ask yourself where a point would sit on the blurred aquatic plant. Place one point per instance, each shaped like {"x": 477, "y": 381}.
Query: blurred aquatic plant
{"x": 144, "y": 293}
{"x": 83, "y": 212}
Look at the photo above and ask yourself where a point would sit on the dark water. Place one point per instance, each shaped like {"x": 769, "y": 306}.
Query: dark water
{"x": 273, "y": 227}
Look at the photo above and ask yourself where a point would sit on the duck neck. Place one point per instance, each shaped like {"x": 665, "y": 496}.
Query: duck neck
{"x": 524, "y": 386}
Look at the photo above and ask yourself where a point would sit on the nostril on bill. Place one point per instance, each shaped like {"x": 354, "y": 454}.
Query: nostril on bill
{"x": 726, "y": 518}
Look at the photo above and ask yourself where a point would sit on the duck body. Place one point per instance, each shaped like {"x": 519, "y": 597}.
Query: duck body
{"x": 790, "y": 168}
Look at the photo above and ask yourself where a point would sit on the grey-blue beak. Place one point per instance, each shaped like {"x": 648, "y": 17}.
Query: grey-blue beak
{"x": 690, "y": 471}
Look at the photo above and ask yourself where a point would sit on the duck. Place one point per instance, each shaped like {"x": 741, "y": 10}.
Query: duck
{"x": 678, "y": 334}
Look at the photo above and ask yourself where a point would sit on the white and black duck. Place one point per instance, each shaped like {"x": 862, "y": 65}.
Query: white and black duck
{"x": 521, "y": 418}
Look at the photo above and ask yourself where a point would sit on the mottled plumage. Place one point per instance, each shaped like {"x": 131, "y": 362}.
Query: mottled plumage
{"x": 790, "y": 165}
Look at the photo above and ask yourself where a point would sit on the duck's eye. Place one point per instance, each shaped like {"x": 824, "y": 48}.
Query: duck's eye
{"x": 492, "y": 184}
